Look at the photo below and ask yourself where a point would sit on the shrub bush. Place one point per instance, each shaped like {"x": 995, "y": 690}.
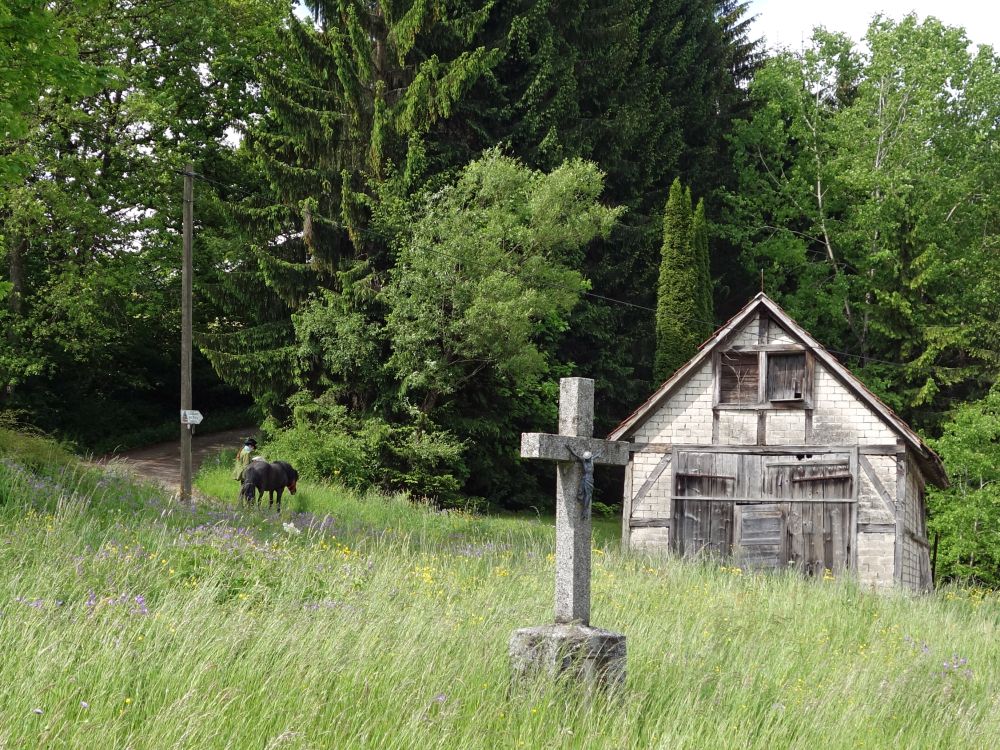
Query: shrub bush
{"x": 324, "y": 442}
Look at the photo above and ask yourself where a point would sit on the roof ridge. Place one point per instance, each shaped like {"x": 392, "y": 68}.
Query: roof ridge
{"x": 838, "y": 370}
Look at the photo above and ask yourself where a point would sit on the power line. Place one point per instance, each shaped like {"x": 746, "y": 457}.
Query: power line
{"x": 246, "y": 192}
{"x": 714, "y": 325}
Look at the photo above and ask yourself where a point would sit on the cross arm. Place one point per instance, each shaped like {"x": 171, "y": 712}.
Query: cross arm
{"x": 556, "y": 448}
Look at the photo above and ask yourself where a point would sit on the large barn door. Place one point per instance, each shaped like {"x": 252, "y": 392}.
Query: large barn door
{"x": 817, "y": 533}
{"x": 703, "y": 519}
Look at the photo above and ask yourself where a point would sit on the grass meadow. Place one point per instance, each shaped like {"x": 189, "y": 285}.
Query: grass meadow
{"x": 130, "y": 621}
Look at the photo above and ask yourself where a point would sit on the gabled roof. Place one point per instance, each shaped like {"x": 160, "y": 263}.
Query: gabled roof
{"x": 929, "y": 461}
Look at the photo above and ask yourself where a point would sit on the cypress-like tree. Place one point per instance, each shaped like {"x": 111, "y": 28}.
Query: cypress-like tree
{"x": 699, "y": 239}
{"x": 679, "y": 300}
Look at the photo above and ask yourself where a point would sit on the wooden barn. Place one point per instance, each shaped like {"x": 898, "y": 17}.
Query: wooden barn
{"x": 765, "y": 450}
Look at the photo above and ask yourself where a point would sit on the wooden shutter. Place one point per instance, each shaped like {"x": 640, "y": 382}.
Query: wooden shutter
{"x": 786, "y": 376}
{"x": 738, "y": 375}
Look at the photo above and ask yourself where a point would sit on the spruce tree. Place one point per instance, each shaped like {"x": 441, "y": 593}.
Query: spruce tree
{"x": 359, "y": 103}
{"x": 679, "y": 300}
{"x": 645, "y": 91}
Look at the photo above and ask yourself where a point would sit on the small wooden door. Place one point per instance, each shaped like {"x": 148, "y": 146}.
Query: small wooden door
{"x": 760, "y": 534}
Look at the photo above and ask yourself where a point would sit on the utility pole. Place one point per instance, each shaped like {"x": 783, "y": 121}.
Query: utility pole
{"x": 187, "y": 273}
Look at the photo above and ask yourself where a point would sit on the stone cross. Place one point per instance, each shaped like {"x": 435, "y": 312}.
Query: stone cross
{"x": 573, "y": 525}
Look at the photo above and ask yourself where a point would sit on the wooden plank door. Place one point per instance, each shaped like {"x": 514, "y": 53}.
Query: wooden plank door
{"x": 760, "y": 536}
{"x": 703, "y": 526}
{"x": 817, "y": 534}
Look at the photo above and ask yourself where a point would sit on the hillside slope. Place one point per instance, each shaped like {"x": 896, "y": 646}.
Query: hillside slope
{"x": 370, "y": 622}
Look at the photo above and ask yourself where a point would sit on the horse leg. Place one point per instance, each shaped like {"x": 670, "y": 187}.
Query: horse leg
{"x": 280, "y": 490}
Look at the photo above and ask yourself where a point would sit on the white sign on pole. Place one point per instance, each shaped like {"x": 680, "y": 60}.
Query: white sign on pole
{"x": 191, "y": 417}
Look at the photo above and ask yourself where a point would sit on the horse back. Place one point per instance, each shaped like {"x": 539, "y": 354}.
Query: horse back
{"x": 290, "y": 474}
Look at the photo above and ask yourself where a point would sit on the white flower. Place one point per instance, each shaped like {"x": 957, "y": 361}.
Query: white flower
{"x": 291, "y": 528}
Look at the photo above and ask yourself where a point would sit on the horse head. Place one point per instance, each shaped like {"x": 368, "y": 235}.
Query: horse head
{"x": 291, "y": 475}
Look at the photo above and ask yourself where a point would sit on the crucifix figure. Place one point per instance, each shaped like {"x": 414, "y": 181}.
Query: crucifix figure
{"x": 586, "y": 492}
{"x": 575, "y": 452}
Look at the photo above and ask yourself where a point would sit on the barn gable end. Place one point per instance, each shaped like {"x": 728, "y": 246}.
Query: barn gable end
{"x": 764, "y": 448}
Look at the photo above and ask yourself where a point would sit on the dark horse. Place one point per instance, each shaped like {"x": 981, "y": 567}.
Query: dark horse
{"x": 261, "y": 477}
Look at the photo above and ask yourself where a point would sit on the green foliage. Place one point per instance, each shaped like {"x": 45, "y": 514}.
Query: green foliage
{"x": 90, "y": 233}
{"x": 370, "y": 106}
{"x": 35, "y": 451}
{"x": 683, "y": 301}
{"x": 967, "y": 514}
{"x": 39, "y": 63}
{"x": 495, "y": 252}
{"x": 313, "y": 139}
{"x": 326, "y": 442}
{"x": 320, "y": 451}
{"x": 857, "y": 172}
{"x": 353, "y": 104}
{"x": 644, "y": 90}
{"x": 705, "y": 286}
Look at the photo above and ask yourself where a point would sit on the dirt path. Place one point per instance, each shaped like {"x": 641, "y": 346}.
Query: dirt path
{"x": 162, "y": 462}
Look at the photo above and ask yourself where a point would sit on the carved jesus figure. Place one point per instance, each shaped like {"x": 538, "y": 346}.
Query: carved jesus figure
{"x": 586, "y": 492}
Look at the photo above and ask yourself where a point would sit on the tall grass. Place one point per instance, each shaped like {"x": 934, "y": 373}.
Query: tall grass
{"x": 368, "y": 622}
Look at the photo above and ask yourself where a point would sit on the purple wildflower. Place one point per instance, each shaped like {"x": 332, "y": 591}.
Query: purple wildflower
{"x": 140, "y": 606}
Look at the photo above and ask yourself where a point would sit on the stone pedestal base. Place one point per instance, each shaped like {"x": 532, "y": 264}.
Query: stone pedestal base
{"x": 592, "y": 656}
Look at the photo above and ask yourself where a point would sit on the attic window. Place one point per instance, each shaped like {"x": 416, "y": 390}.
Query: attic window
{"x": 739, "y": 372}
{"x": 786, "y": 374}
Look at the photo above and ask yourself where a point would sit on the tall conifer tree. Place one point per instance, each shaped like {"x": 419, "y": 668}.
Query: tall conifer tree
{"x": 358, "y": 109}
{"x": 699, "y": 240}
{"x": 679, "y": 300}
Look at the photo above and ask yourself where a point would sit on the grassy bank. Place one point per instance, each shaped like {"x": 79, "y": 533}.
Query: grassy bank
{"x": 369, "y": 622}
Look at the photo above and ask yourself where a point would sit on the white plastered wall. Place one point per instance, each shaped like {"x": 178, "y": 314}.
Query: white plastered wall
{"x": 686, "y": 418}
{"x": 841, "y": 418}
{"x": 876, "y": 552}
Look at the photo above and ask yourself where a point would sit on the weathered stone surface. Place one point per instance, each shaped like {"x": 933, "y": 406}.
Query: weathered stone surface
{"x": 576, "y": 407}
{"x": 573, "y": 533}
{"x": 571, "y": 646}
{"x": 556, "y": 448}
{"x": 573, "y": 523}
{"x": 591, "y": 656}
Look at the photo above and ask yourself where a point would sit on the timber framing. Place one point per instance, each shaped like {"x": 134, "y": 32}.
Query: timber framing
{"x": 765, "y": 450}
{"x": 766, "y": 309}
